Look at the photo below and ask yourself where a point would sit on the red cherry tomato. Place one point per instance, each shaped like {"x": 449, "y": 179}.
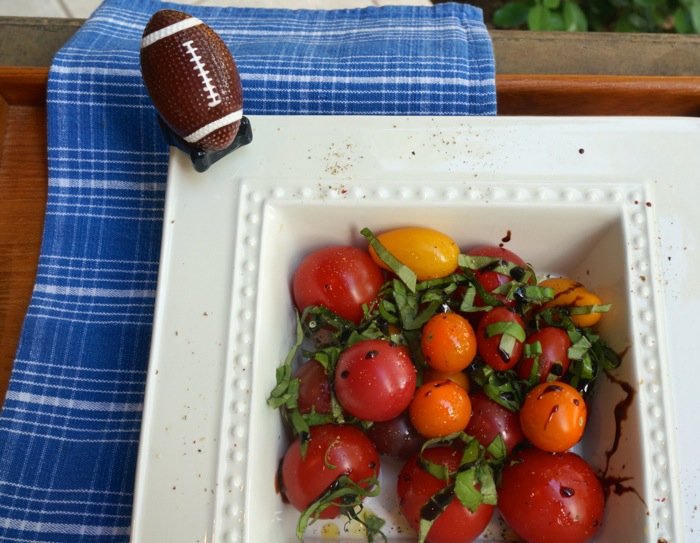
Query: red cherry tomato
{"x": 553, "y": 416}
{"x": 489, "y": 419}
{"x": 340, "y": 278}
{"x": 498, "y": 352}
{"x": 457, "y": 524}
{"x": 314, "y": 388}
{"x": 553, "y": 361}
{"x": 332, "y": 451}
{"x": 490, "y": 279}
{"x": 375, "y": 379}
{"x": 396, "y": 438}
{"x": 551, "y": 498}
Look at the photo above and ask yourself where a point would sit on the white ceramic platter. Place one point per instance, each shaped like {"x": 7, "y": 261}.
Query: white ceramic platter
{"x": 609, "y": 201}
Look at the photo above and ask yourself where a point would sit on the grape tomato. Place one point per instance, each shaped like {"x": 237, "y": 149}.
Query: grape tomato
{"x": 569, "y": 293}
{"x": 428, "y": 253}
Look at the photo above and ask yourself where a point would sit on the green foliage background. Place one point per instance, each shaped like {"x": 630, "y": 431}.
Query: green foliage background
{"x": 671, "y": 16}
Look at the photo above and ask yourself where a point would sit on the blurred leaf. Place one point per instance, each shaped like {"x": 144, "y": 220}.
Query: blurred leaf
{"x": 650, "y": 4}
{"x": 540, "y": 18}
{"x": 574, "y": 18}
{"x": 695, "y": 15}
{"x": 631, "y": 22}
{"x": 682, "y": 21}
{"x": 551, "y": 4}
{"x": 621, "y": 4}
{"x": 511, "y": 15}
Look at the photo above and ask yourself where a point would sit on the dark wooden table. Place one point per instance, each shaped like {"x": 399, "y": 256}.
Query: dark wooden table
{"x": 537, "y": 74}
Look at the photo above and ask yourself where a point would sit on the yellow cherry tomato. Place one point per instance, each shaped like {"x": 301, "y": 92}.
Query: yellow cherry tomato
{"x": 428, "y": 253}
{"x": 569, "y": 293}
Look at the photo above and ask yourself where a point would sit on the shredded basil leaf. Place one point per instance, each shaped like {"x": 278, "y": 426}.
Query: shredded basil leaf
{"x": 406, "y": 274}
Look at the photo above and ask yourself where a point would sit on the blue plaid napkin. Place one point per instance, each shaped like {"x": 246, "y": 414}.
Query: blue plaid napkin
{"x": 69, "y": 428}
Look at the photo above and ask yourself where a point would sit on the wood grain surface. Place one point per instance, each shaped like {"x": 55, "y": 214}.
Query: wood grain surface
{"x": 23, "y": 188}
{"x": 24, "y": 174}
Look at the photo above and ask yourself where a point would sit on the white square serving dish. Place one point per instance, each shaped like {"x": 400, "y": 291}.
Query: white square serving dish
{"x": 608, "y": 201}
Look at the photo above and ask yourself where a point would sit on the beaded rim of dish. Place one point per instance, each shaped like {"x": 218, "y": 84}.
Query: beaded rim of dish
{"x": 630, "y": 201}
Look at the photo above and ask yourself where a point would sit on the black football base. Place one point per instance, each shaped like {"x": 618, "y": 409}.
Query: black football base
{"x": 201, "y": 159}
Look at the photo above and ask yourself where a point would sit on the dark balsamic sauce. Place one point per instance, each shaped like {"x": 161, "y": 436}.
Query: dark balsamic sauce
{"x": 621, "y": 413}
{"x": 616, "y": 484}
{"x": 436, "y": 505}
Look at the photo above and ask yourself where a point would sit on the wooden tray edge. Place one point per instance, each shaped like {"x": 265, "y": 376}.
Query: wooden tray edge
{"x": 24, "y": 85}
{"x": 598, "y": 95}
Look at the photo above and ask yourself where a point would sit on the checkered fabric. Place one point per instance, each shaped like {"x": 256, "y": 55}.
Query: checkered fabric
{"x": 69, "y": 427}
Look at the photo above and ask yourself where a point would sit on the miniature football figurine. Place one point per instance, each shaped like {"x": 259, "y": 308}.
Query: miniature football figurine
{"x": 193, "y": 81}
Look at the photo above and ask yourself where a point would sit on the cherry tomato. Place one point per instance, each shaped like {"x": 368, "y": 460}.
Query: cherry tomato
{"x": 375, "y": 379}
{"x": 490, "y": 279}
{"x": 448, "y": 342}
{"x": 456, "y": 524}
{"x": 340, "y": 278}
{"x": 396, "y": 438}
{"x": 551, "y": 498}
{"x": 460, "y": 378}
{"x": 499, "y": 352}
{"x": 553, "y": 416}
{"x": 428, "y": 253}
{"x": 489, "y": 419}
{"x": 553, "y": 361}
{"x": 332, "y": 451}
{"x": 314, "y": 388}
{"x": 440, "y": 408}
{"x": 569, "y": 293}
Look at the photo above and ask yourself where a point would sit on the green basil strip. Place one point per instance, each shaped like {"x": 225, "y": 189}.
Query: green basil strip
{"x": 279, "y": 394}
{"x": 506, "y": 328}
{"x": 485, "y": 295}
{"x": 349, "y": 493}
{"x": 580, "y": 345}
{"x": 497, "y": 448}
{"x": 465, "y": 490}
{"x": 588, "y": 309}
{"x": 404, "y": 273}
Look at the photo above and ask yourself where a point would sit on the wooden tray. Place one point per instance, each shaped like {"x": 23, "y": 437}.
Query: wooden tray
{"x": 24, "y": 172}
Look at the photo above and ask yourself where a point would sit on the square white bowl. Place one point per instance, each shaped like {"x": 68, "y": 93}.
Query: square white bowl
{"x": 572, "y": 197}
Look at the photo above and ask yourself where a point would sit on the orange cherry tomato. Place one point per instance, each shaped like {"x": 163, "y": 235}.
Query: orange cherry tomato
{"x": 553, "y": 416}
{"x": 428, "y": 253}
{"x": 440, "y": 408}
{"x": 569, "y": 293}
{"x": 458, "y": 377}
{"x": 448, "y": 342}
